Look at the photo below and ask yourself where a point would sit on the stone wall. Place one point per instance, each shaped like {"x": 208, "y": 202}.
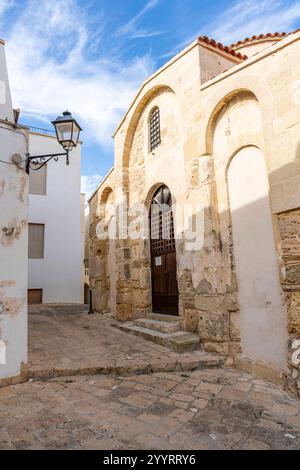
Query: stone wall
{"x": 203, "y": 125}
{"x": 289, "y": 227}
{"x": 100, "y": 207}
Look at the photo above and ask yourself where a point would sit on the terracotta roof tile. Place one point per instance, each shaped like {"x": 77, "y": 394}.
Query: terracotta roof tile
{"x": 263, "y": 36}
{"x": 221, "y": 47}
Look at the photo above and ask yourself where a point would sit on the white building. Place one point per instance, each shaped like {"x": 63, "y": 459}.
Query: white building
{"x": 13, "y": 239}
{"x": 86, "y": 255}
{"x": 56, "y": 225}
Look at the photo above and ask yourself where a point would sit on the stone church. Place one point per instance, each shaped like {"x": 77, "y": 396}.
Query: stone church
{"x": 213, "y": 134}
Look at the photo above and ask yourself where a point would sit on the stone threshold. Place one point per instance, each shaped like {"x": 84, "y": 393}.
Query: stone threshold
{"x": 197, "y": 360}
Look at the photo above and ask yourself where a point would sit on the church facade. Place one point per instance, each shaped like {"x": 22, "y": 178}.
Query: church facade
{"x": 208, "y": 154}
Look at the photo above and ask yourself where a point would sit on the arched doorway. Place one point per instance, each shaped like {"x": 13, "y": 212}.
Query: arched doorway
{"x": 163, "y": 253}
{"x": 262, "y": 312}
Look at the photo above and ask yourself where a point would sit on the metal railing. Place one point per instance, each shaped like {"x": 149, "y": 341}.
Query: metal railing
{"x": 40, "y": 130}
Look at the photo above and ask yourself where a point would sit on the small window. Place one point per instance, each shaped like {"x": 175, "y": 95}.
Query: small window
{"x": 37, "y": 181}
{"x": 35, "y": 296}
{"x": 154, "y": 129}
{"x": 36, "y": 240}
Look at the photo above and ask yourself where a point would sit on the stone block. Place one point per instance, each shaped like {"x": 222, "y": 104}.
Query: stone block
{"x": 127, "y": 253}
{"x": 235, "y": 348}
{"x": 124, "y": 312}
{"x": 124, "y": 297}
{"x": 204, "y": 287}
{"x": 99, "y": 299}
{"x": 97, "y": 267}
{"x": 213, "y": 326}
{"x": 145, "y": 278}
{"x": 294, "y": 313}
{"x": 135, "y": 274}
{"x": 141, "y": 298}
{"x": 293, "y": 273}
{"x": 190, "y": 320}
{"x": 231, "y": 302}
{"x": 215, "y": 347}
{"x": 125, "y": 272}
{"x": 209, "y": 303}
{"x": 234, "y": 325}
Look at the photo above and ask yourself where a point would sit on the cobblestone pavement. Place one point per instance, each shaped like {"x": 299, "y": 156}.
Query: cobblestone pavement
{"x": 65, "y": 340}
{"x": 205, "y": 409}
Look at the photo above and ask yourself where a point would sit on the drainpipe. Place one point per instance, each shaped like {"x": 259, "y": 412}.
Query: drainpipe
{"x": 91, "y": 311}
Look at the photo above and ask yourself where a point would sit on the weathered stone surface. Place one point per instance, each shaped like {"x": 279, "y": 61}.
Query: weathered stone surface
{"x": 234, "y": 325}
{"x": 145, "y": 278}
{"x": 293, "y": 273}
{"x": 158, "y": 325}
{"x": 209, "y": 302}
{"x": 99, "y": 299}
{"x": 190, "y": 320}
{"x": 204, "y": 287}
{"x": 125, "y": 272}
{"x": 294, "y": 313}
{"x": 231, "y": 302}
{"x": 178, "y": 341}
{"x": 97, "y": 267}
{"x": 141, "y": 298}
{"x": 95, "y": 345}
{"x": 195, "y": 167}
{"x": 205, "y": 409}
{"x": 124, "y": 312}
{"x": 219, "y": 348}
{"x": 213, "y": 326}
{"x": 289, "y": 224}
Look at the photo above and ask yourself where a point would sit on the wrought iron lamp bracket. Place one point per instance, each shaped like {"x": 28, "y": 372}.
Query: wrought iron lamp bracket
{"x": 36, "y": 162}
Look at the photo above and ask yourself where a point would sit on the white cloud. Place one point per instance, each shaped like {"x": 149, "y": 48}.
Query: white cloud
{"x": 47, "y": 54}
{"x": 89, "y": 184}
{"x": 246, "y": 18}
{"x": 250, "y": 17}
{"x": 5, "y": 5}
{"x": 144, "y": 33}
{"x": 131, "y": 26}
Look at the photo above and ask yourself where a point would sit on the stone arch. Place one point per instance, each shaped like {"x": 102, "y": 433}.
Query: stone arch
{"x": 151, "y": 193}
{"x": 105, "y": 194}
{"x": 107, "y": 205}
{"x": 102, "y": 266}
{"x": 237, "y": 151}
{"x": 217, "y": 111}
{"x": 149, "y": 95}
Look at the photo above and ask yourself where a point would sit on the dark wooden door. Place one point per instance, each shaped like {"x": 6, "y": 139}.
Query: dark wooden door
{"x": 35, "y": 296}
{"x": 163, "y": 254}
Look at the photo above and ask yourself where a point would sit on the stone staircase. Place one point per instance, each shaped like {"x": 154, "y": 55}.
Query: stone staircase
{"x": 165, "y": 330}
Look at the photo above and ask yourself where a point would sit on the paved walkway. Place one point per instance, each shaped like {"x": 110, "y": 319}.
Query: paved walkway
{"x": 65, "y": 340}
{"x": 205, "y": 409}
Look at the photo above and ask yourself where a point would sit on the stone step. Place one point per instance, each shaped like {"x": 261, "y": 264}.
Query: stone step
{"x": 179, "y": 341}
{"x": 158, "y": 325}
{"x": 163, "y": 317}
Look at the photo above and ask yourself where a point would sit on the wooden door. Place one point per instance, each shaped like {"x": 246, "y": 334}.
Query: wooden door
{"x": 35, "y": 296}
{"x": 163, "y": 254}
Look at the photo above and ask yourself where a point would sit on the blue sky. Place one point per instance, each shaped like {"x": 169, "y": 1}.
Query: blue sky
{"x": 90, "y": 56}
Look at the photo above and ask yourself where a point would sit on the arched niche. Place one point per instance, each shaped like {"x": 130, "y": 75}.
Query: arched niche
{"x": 134, "y": 120}
{"x": 263, "y": 322}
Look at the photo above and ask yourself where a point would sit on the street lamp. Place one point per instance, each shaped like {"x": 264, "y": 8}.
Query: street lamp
{"x": 67, "y": 133}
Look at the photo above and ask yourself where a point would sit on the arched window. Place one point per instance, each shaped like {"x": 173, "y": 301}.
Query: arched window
{"x": 154, "y": 128}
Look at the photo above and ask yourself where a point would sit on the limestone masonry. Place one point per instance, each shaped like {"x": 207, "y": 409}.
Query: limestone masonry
{"x": 228, "y": 146}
